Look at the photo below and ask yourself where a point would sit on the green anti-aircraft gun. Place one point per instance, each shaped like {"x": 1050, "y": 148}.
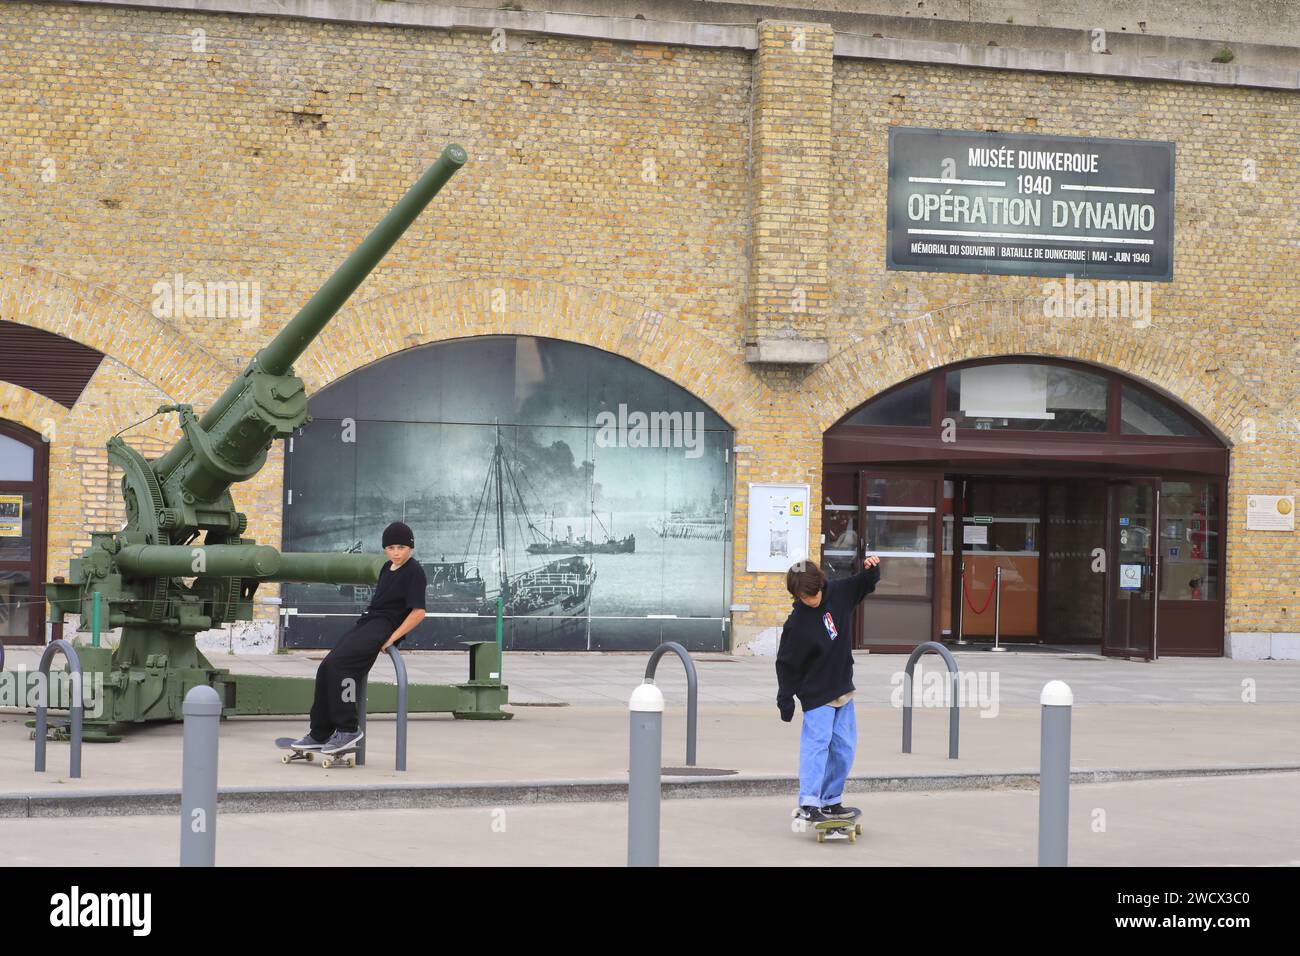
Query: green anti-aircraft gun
{"x": 139, "y": 572}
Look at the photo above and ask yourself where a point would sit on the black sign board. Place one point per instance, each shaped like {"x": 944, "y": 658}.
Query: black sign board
{"x": 1008, "y": 204}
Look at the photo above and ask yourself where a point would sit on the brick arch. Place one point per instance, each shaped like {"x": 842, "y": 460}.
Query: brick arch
{"x": 124, "y": 330}
{"x": 1018, "y": 327}
{"x": 441, "y": 311}
{"x": 31, "y": 409}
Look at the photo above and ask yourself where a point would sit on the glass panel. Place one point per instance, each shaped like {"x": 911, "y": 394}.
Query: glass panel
{"x": 1143, "y": 414}
{"x": 1132, "y": 590}
{"x": 900, "y": 492}
{"x": 900, "y": 610}
{"x": 1001, "y": 530}
{"x": 1075, "y": 594}
{"x": 16, "y": 460}
{"x": 1019, "y": 616}
{"x": 15, "y": 526}
{"x": 907, "y": 405}
{"x": 840, "y": 534}
{"x": 1189, "y": 541}
{"x": 1027, "y": 397}
{"x": 15, "y": 603}
{"x": 1002, "y": 516}
{"x": 894, "y": 531}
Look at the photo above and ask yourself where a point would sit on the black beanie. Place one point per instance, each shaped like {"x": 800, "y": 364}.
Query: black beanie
{"x": 398, "y": 533}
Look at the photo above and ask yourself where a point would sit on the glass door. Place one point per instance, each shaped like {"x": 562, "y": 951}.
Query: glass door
{"x": 1132, "y": 568}
{"x": 899, "y": 517}
{"x": 22, "y": 535}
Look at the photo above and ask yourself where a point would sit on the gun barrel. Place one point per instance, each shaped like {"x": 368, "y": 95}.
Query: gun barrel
{"x": 278, "y": 355}
{"x": 306, "y": 567}
{"x": 248, "y": 561}
{"x": 283, "y": 350}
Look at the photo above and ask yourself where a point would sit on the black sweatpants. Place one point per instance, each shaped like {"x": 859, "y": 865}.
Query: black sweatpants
{"x": 335, "y": 706}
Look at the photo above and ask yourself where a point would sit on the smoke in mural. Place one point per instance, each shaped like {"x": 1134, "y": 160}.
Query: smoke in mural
{"x": 587, "y": 495}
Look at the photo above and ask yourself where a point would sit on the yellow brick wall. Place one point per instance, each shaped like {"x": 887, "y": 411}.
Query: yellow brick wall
{"x": 612, "y": 194}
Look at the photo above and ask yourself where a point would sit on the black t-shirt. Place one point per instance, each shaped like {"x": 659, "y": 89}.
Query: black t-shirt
{"x": 397, "y": 593}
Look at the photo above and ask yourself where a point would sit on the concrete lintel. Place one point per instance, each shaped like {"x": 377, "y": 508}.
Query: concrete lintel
{"x": 851, "y": 46}
{"x": 788, "y": 351}
{"x": 625, "y": 29}
{"x": 743, "y": 36}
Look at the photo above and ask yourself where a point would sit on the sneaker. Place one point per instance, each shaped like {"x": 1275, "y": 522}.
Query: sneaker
{"x": 307, "y": 743}
{"x": 342, "y": 740}
{"x": 837, "y": 811}
{"x": 811, "y": 814}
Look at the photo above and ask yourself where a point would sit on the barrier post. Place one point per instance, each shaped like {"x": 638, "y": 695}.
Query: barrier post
{"x": 202, "y": 717}
{"x": 997, "y": 609}
{"x": 1054, "y": 775}
{"x": 646, "y": 709}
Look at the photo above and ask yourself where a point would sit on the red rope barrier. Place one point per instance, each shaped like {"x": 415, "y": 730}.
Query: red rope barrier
{"x": 965, "y": 586}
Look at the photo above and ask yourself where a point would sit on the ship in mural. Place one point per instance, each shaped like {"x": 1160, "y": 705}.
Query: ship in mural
{"x": 549, "y": 544}
{"x": 558, "y": 589}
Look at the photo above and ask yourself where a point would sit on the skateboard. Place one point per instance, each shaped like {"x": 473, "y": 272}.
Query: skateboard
{"x": 348, "y": 758}
{"x": 841, "y": 828}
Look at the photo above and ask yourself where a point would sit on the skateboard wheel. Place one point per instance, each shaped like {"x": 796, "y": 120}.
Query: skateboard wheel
{"x": 821, "y": 836}
{"x": 310, "y": 756}
{"x": 286, "y": 758}
{"x": 327, "y": 763}
{"x": 857, "y": 828}
{"x": 853, "y": 837}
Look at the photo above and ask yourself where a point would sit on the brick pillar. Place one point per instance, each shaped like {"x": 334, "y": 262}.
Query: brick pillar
{"x": 790, "y": 193}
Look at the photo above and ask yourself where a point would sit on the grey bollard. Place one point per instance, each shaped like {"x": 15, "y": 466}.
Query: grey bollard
{"x": 202, "y": 710}
{"x": 644, "y": 765}
{"x": 1054, "y": 775}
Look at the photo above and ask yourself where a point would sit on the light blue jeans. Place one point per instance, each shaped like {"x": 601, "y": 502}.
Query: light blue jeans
{"x": 826, "y": 746}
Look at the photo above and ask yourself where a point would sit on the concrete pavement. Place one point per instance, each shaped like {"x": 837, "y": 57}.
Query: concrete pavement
{"x": 1237, "y": 821}
{"x": 1189, "y": 714}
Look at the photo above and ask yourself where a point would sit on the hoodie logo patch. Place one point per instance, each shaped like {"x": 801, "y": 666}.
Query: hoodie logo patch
{"x": 830, "y": 625}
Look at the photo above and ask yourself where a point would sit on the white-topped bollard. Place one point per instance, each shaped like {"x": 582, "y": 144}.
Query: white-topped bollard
{"x": 644, "y": 765}
{"x": 202, "y": 714}
{"x": 1054, "y": 775}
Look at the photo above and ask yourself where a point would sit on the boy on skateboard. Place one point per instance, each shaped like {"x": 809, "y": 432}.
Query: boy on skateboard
{"x": 396, "y": 607}
{"x": 815, "y": 663}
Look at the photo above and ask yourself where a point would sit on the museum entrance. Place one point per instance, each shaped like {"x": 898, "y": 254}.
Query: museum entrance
{"x": 1044, "y": 505}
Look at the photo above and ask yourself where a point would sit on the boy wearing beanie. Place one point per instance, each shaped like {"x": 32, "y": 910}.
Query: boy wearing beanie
{"x": 815, "y": 662}
{"x": 396, "y": 607}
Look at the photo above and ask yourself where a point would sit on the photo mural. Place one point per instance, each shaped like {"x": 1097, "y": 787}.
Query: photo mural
{"x": 587, "y": 494}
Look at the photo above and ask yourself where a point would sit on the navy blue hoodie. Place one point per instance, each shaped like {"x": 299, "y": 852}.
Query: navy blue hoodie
{"x": 815, "y": 657}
